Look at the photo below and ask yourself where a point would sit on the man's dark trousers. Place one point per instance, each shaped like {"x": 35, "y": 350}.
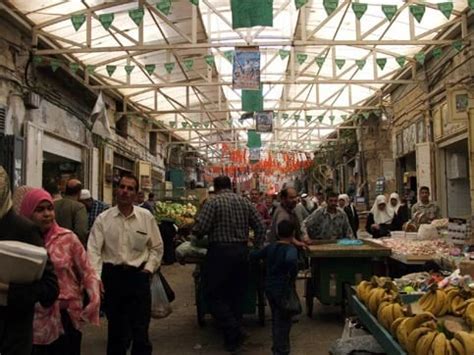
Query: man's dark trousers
{"x": 128, "y": 309}
{"x": 227, "y": 275}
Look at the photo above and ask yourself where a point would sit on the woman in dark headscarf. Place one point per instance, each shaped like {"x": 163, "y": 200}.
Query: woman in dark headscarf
{"x": 16, "y": 318}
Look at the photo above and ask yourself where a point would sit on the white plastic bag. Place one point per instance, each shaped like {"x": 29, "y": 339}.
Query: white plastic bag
{"x": 160, "y": 306}
{"x": 427, "y": 231}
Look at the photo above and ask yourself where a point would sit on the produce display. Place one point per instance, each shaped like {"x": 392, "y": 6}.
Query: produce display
{"x": 178, "y": 213}
{"x": 417, "y": 247}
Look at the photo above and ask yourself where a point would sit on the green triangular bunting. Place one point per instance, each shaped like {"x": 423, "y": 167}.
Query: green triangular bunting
{"x": 330, "y": 6}
{"x": 446, "y": 8}
{"x": 54, "y": 64}
{"x": 137, "y": 15}
{"x": 129, "y": 69}
{"x": 249, "y": 13}
{"x": 252, "y": 100}
{"x": 360, "y": 63}
{"x": 110, "y": 69}
{"x": 359, "y": 9}
{"x": 320, "y": 61}
{"x": 332, "y": 118}
{"x": 283, "y": 53}
{"x": 389, "y": 11}
{"x": 437, "y": 53}
{"x": 206, "y": 124}
{"x": 164, "y": 6}
{"x": 301, "y": 57}
{"x": 106, "y": 20}
{"x": 418, "y": 11}
{"x": 296, "y": 117}
{"x": 90, "y": 69}
{"x": 172, "y": 124}
{"x": 37, "y": 59}
{"x": 188, "y": 63}
{"x": 381, "y": 62}
{"x": 401, "y": 60}
{"x": 78, "y": 21}
{"x": 150, "y": 68}
{"x": 229, "y": 55}
{"x": 194, "y": 2}
{"x": 458, "y": 45}
{"x": 300, "y": 3}
{"x": 308, "y": 118}
{"x": 285, "y": 116}
{"x": 366, "y": 114}
{"x": 169, "y": 67}
{"x": 320, "y": 118}
{"x": 74, "y": 67}
{"x": 471, "y": 4}
{"x": 209, "y": 59}
{"x": 340, "y": 63}
{"x": 420, "y": 57}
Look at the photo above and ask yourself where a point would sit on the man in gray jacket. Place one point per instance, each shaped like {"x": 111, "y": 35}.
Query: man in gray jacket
{"x": 70, "y": 213}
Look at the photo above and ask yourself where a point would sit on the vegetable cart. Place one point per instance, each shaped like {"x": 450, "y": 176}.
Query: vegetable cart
{"x": 334, "y": 267}
{"x": 253, "y": 303}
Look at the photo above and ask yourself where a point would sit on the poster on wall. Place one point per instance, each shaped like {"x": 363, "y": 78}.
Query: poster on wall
{"x": 264, "y": 121}
{"x": 254, "y": 155}
{"x": 246, "y": 69}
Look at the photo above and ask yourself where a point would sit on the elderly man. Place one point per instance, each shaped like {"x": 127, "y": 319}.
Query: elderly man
{"x": 70, "y": 213}
{"x": 94, "y": 207}
{"x": 327, "y": 223}
{"x": 425, "y": 208}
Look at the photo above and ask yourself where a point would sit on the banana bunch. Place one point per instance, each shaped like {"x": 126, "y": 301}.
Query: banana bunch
{"x": 363, "y": 289}
{"x": 379, "y": 295}
{"x": 463, "y": 343}
{"x": 469, "y": 313}
{"x": 423, "y": 341}
{"x": 408, "y": 325}
{"x": 388, "y": 312}
{"x": 435, "y": 301}
{"x": 456, "y": 299}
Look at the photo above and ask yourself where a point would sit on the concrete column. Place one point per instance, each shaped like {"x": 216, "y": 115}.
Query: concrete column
{"x": 471, "y": 164}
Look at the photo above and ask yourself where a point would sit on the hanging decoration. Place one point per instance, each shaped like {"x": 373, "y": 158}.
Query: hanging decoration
{"x": 206, "y": 124}
{"x": 164, "y": 6}
{"x": 194, "y": 2}
{"x": 106, "y": 20}
{"x": 320, "y": 118}
{"x": 471, "y": 4}
{"x": 188, "y": 63}
{"x": 285, "y": 116}
{"x": 420, "y": 57}
{"x": 78, "y": 21}
{"x": 340, "y": 63}
{"x": 344, "y": 118}
{"x": 150, "y": 68}
{"x": 296, "y": 117}
{"x": 437, "y": 53}
{"x": 458, "y": 45}
{"x": 308, "y": 118}
{"x": 264, "y": 121}
{"x": 331, "y": 119}
{"x": 360, "y": 63}
{"x": 330, "y": 6}
{"x": 169, "y": 67}
{"x": 381, "y": 62}
{"x": 300, "y": 3}
{"x": 254, "y": 155}
{"x": 359, "y": 9}
{"x": 418, "y": 11}
{"x": 301, "y": 57}
{"x": 137, "y": 15}
{"x": 184, "y": 124}
{"x": 37, "y": 59}
{"x": 283, "y": 53}
{"x": 209, "y": 59}
{"x": 389, "y": 11}
{"x": 250, "y": 13}
{"x": 401, "y": 60}
{"x": 172, "y": 124}
{"x": 90, "y": 69}
{"x": 74, "y": 67}
{"x": 246, "y": 69}
{"x": 252, "y": 100}
{"x": 229, "y": 55}
{"x": 129, "y": 68}
{"x": 320, "y": 61}
{"x": 446, "y": 8}
{"x": 110, "y": 69}
{"x": 254, "y": 139}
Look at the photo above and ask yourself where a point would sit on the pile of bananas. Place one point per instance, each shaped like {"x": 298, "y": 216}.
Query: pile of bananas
{"x": 435, "y": 301}
{"x": 372, "y": 293}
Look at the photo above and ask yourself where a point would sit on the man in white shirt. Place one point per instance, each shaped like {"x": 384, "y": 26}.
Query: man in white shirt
{"x": 125, "y": 247}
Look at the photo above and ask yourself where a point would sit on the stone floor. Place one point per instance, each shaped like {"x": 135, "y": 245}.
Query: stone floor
{"x": 180, "y": 334}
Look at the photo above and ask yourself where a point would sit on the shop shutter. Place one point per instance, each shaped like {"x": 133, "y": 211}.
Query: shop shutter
{"x": 3, "y": 117}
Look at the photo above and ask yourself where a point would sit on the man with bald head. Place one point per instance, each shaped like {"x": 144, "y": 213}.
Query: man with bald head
{"x": 70, "y": 213}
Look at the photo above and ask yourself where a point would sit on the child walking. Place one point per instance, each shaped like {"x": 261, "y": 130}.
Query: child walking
{"x": 281, "y": 270}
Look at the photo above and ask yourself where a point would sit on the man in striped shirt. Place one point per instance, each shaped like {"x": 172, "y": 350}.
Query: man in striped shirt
{"x": 226, "y": 220}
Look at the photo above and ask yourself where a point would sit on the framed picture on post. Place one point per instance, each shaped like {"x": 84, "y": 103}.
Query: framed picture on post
{"x": 458, "y": 104}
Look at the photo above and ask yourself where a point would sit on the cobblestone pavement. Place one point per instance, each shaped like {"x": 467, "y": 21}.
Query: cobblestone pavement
{"x": 179, "y": 333}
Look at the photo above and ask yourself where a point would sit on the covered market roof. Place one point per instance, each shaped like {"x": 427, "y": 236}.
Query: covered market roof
{"x": 321, "y": 61}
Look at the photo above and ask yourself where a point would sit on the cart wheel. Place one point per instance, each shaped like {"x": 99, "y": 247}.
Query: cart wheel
{"x": 309, "y": 298}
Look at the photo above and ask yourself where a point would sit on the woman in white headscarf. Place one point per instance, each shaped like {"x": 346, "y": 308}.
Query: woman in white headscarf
{"x": 345, "y": 204}
{"x": 401, "y": 212}
{"x": 380, "y": 218}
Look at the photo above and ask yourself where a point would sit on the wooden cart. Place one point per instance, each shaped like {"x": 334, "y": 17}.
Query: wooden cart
{"x": 333, "y": 267}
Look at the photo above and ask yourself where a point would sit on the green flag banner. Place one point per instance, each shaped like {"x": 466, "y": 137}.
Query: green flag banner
{"x": 172, "y": 124}
{"x": 437, "y": 53}
{"x": 308, "y": 118}
{"x": 37, "y": 59}
{"x": 106, "y": 20}
{"x": 320, "y": 61}
{"x": 360, "y": 63}
{"x": 359, "y": 9}
{"x": 446, "y": 8}
{"x": 300, "y": 3}
{"x": 129, "y": 69}
{"x": 401, "y": 60}
{"x": 301, "y": 57}
{"x": 254, "y": 139}
{"x": 252, "y": 100}
{"x": 194, "y": 2}
{"x": 206, "y": 124}
{"x": 184, "y": 124}
{"x": 249, "y": 13}
{"x": 150, "y": 68}
{"x": 195, "y": 124}
{"x": 320, "y": 118}
{"x": 188, "y": 63}
{"x": 471, "y": 4}
{"x": 283, "y": 53}
{"x": 340, "y": 63}
{"x": 366, "y": 114}
{"x": 78, "y": 21}
{"x": 209, "y": 59}
{"x": 458, "y": 45}
{"x": 229, "y": 55}
{"x": 90, "y": 69}
{"x": 296, "y": 117}
{"x": 74, "y": 67}
{"x": 330, "y": 6}
{"x": 137, "y": 15}
{"x": 389, "y": 11}
{"x": 110, "y": 69}
{"x": 285, "y": 116}
{"x": 420, "y": 57}
{"x": 169, "y": 67}
{"x": 164, "y": 6}
{"x": 381, "y": 62}
{"x": 344, "y": 117}
{"x": 54, "y": 64}
{"x": 418, "y": 11}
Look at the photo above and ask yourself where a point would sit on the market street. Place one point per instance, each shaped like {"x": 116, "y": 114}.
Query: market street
{"x": 180, "y": 334}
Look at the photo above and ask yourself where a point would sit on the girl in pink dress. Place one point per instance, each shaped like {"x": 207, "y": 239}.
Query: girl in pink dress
{"x": 56, "y": 330}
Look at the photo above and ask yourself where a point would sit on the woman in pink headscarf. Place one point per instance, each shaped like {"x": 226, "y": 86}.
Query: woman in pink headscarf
{"x": 56, "y": 330}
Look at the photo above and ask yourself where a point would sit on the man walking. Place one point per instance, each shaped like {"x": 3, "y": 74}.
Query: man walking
{"x": 127, "y": 241}
{"x": 260, "y": 206}
{"x": 226, "y": 219}
{"x": 70, "y": 213}
{"x": 94, "y": 207}
{"x": 285, "y": 211}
